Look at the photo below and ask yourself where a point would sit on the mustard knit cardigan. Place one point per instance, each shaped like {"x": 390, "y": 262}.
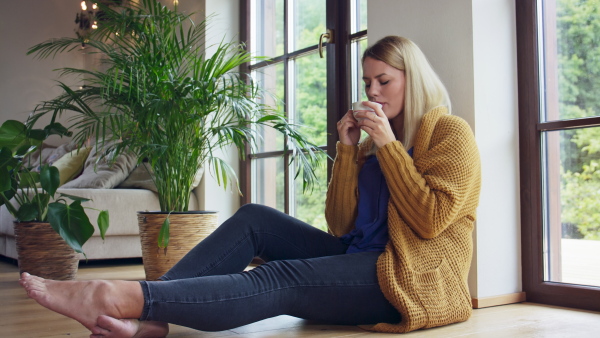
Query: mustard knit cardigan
{"x": 431, "y": 213}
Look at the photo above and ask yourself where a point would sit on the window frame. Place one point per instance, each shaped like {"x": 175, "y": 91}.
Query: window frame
{"x": 339, "y": 82}
{"x": 530, "y": 144}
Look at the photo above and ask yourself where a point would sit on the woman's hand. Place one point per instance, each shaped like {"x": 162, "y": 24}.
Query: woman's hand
{"x": 376, "y": 124}
{"x": 348, "y": 129}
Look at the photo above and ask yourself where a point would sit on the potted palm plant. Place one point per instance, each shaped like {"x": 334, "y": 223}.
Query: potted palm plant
{"x": 49, "y": 230}
{"x": 164, "y": 98}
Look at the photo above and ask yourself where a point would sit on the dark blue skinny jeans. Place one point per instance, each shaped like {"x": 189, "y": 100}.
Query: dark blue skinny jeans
{"x": 307, "y": 275}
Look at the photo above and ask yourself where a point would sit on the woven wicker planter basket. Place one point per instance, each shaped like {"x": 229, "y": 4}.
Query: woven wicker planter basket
{"x": 42, "y": 252}
{"x": 187, "y": 229}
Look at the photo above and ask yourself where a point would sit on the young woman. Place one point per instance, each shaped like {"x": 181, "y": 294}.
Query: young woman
{"x": 400, "y": 208}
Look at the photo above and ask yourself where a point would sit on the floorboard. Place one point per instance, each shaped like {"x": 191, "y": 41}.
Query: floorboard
{"x": 23, "y": 317}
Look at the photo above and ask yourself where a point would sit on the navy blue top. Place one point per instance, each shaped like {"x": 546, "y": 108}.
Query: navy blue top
{"x": 371, "y": 231}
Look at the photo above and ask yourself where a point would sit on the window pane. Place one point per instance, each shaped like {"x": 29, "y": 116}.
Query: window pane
{"x": 268, "y": 27}
{"x": 310, "y": 97}
{"x": 572, "y": 206}
{"x": 271, "y": 80}
{"x": 358, "y": 87}
{"x": 308, "y": 23}
{"x": 268, "y": 182}
{"x": 572, "y": 59}
{"x": 358, "y": 16}
{"x": 310, "y": 207}
{"x": 298, "y": 81}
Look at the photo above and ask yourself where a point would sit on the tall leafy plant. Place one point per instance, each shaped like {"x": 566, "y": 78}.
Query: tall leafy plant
{"x": 164, "y": 98}
{"x": 33, "y": 186}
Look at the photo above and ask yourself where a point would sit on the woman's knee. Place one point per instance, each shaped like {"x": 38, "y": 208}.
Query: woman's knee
{"x": 248, "y": 217}
{"x": 252, "y": 214}
{"x": 253, "y": 209}
{"x": 250, "y": 208}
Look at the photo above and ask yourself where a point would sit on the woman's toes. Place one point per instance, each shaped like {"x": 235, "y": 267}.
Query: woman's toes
{"x": 24, "y": 279}
{"x": 116, "y": 328}
{"x": 99, "y": 331}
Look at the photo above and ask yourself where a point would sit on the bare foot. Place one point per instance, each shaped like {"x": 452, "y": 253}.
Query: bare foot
{"x": 85, "y": 301}
{"x": 127, "y": 328}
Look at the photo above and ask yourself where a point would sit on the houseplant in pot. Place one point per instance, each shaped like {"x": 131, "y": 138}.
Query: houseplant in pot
{"x": 164, "y": 98}
{"x": 50, "y": 227}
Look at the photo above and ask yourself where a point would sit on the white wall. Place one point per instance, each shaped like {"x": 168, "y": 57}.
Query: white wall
{"x": 472, "y": 46}
{"x": 225, "y": 24}
{"x": 443, "y": 31}
{"x": 496, "y": 130}
{"x": 26, "y": 81}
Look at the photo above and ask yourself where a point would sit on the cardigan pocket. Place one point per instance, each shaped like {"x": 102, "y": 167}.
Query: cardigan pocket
{"x": 440, "y": 293}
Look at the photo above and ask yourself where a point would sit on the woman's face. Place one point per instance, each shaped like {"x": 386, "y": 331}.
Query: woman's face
{"x": 384, "y": 84}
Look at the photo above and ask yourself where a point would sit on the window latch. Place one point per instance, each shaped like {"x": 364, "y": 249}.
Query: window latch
{"x": 329, "y": 36}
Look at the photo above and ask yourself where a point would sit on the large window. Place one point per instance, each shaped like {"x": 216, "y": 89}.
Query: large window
{"x": 311, "y": 91}
{"x": 559, "y": 109}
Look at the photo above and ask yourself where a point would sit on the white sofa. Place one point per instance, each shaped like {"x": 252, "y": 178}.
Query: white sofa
{"x": 122, "y": 238}
{"x": 123, "y": 188}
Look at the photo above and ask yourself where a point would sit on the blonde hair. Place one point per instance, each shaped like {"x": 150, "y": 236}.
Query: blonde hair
{"x": 423, "y": 89}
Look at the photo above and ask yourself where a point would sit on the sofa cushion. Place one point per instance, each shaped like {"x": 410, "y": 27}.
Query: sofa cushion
{"x": 71, "y": 164}
{"x": 140, "y": 177}
{"x": 49, "y": 154}
{"x": 100, "y": 173}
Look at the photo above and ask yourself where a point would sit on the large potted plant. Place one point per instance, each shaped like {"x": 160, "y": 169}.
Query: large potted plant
{"x": 164, "y": 98}
{"x": 50, "y": 228}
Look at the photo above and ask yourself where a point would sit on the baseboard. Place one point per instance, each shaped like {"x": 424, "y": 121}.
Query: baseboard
{"x": 511, "y": 298}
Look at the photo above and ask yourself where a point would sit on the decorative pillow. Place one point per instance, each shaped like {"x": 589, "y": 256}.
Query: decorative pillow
{"x": 101, "y": 174}
{"x": 71, "y": 164}
{"x": 141, "y": 177}
{"x": 49, "y": 154}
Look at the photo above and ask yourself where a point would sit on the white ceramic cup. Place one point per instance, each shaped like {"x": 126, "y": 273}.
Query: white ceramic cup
{"x": 358, "y": 106}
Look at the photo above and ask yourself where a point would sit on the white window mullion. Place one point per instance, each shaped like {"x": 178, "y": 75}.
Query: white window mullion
{"x": 291, "y": 41}
{"x": 291, "y": 113}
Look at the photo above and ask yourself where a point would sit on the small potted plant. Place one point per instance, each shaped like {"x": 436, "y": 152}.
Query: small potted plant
{"x": 167, "y": 100}
{"x": 50, "y": 227}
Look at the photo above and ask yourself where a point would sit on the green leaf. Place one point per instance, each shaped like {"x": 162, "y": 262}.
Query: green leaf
{"x": 75, "y": 198}
{"x": 12, "y": 134}
{"x": 271, "y": 117}
{"x": 37, "y": 135}
{"x": 103, "y": 222}
{"x": 5, "y": 179}
{"x": 28, "y": 179}
{"x": 49, "y": 178}
{"x": 4, "y": 200}
{"x": 6, "y": 158}
{"x": 41, "y": 199}
{"x": 56, "y": 129}
{"x": 71, "y": 223}
{"x": 27, "y": 212}
{"x": 10, "y": 192}
{"x": 163, "y": 235}
{"x": 25, "y": 148}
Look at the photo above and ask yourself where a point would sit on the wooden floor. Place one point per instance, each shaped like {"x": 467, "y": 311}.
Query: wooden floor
{"x": 22, "y": 317}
